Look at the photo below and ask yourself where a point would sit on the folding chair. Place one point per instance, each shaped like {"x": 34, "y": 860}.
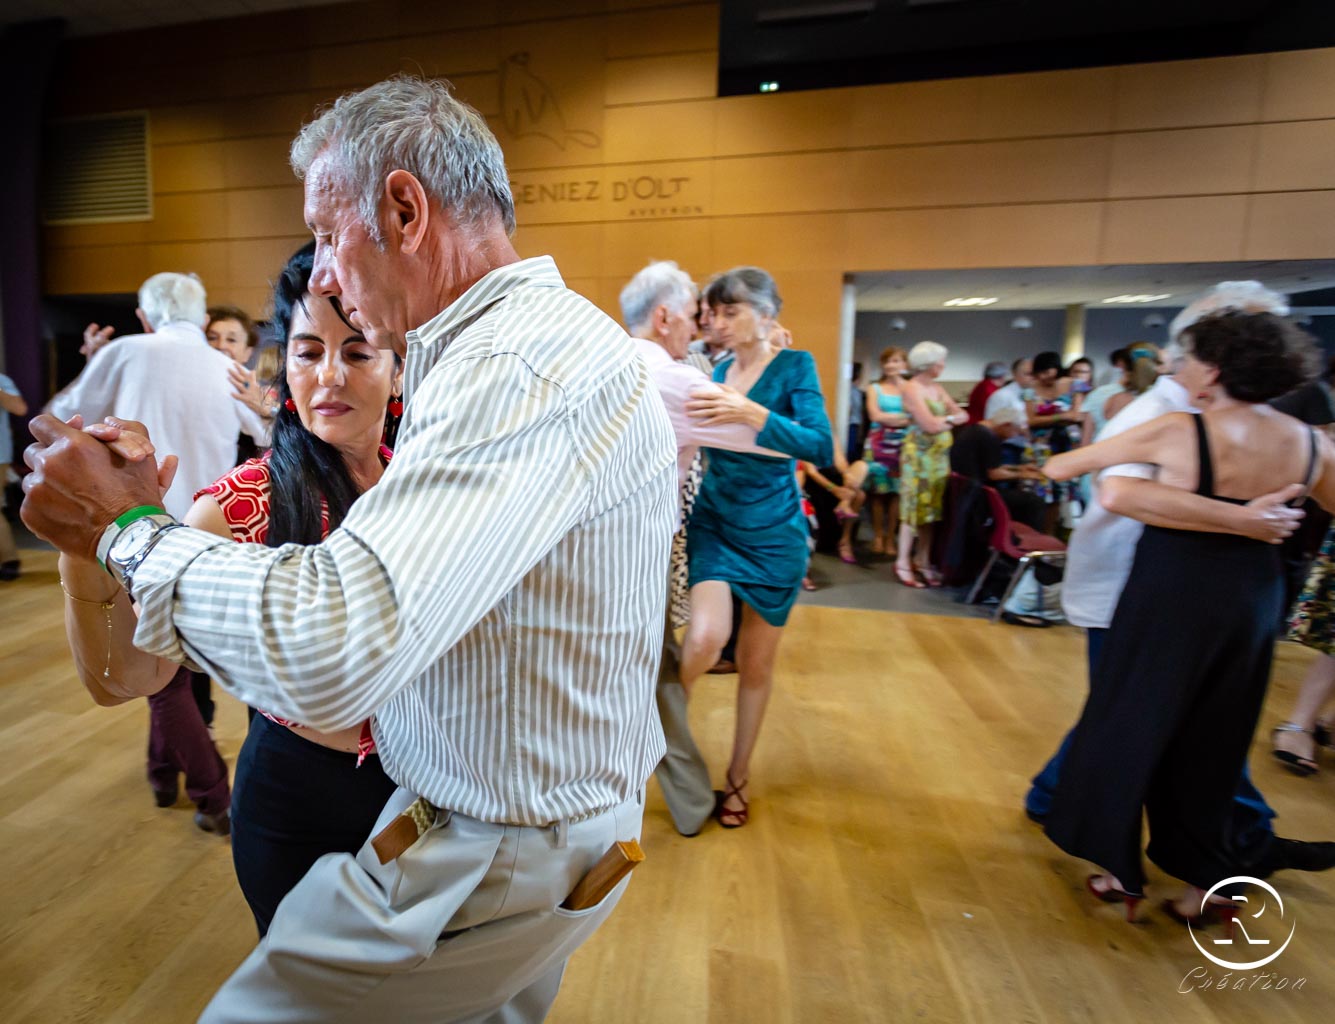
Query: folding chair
{"x": 1015, "y": 541}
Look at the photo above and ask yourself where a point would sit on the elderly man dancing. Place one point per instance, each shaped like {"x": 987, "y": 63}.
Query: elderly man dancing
{"x": 496, "y": 603}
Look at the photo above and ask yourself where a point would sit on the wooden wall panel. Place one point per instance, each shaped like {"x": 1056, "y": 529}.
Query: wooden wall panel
{"x": 264, "y": 212}
{"x": 1187, "y": 160}
{"x": 1174, "y": 230}
{"x": 181, "y": 217}
{"x": 915, "y": 112}
{"x": 96, "y": 270}
{"x": 1059, "y": 103}
{"x": 678, "y": 76}
{"x": 981, "y": 236}
{"x": 1295, "y": 155}
{"x": 779, "y": 123}
{"x": 192, "y": 168}
{"x": 689, "y": 28}
{"x": 627, "y": 246}
{"x": 1290, "y": 225}
{"x": 1299, "y": 84}
{"x": 1179, "y": 94}
{"x": 664, "y": 131}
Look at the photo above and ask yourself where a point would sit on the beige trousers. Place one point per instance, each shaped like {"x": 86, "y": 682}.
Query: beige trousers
{"x": 465, "y": 925}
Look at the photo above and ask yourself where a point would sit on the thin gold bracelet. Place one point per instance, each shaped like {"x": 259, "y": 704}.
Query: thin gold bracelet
{"x": 107, "y": 608}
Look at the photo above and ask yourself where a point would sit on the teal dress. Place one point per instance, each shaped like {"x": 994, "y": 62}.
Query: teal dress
{"x": 747, "y": 527}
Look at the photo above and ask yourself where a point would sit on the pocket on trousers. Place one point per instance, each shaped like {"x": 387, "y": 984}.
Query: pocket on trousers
{"x": 611, "y": 897}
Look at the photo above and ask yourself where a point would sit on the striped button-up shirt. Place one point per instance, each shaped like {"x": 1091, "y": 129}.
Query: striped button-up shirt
{"x": 496, "y": 601}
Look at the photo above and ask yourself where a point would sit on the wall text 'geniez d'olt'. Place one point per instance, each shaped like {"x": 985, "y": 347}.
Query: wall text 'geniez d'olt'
{"x": 662, "y": 195}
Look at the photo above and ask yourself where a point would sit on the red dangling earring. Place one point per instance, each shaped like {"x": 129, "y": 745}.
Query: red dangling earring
{"x": 395, "y": 406}
{"x": 290, "y": 405}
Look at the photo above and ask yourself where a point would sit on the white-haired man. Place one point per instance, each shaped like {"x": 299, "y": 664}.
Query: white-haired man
{"x": 658, "y": 307}
{"x": 170, "y": 379}
{"x": 1104, "y": 545}
{"x": 495, "y": 602}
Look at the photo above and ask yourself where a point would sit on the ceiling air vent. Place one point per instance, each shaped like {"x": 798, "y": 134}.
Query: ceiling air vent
{"x": 96, "y": 169}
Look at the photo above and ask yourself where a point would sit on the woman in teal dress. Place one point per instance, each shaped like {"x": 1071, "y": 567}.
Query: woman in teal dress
{"x": 924, "y": 463}
{"x": 747, "y": 539}
{"x": 885, "y": 411}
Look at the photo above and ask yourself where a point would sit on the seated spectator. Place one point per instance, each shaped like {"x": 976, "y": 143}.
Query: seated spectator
{"x": 994, "y": 377}
{"x": 977, "y": 455}
{"x": 842, "y": 482}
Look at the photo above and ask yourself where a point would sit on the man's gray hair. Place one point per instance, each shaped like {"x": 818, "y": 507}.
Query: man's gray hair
{"x": 415, "y": 125}
{"x": 925, "y": 355}
{"x": 1009, "y": 415}
{"x": 173, "y": 297}
{"x": 1230, "y": 297}
{"x": 661, "y": 283}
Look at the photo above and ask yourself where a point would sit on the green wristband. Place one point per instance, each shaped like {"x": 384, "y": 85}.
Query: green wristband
{"x": 138, "y": 512}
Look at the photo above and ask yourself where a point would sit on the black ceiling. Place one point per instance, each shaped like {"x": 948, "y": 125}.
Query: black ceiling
{"x": 815, "y": 44}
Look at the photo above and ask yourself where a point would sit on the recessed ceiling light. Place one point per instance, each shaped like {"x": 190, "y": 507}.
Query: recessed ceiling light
{"x": 1139, "y": 298}
{"x": 976, "y": 300}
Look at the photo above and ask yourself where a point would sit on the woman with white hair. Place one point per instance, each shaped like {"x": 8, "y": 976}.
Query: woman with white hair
{"x": 924, "y": 462}
{"x": 747, "y": 538}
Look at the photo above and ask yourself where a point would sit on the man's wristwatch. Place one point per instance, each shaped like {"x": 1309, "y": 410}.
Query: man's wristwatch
{"x": 127, "y": 541}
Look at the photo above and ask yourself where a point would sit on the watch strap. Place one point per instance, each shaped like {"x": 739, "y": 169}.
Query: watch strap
{"x": 123, "y": 520}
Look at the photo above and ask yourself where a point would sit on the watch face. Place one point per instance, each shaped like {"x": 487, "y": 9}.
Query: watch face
{"x": 131, "y": 539}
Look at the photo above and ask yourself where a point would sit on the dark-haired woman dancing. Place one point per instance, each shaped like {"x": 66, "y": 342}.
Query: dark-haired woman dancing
{"x": 1177, "y": 691}
{"x": 298, "y": 793}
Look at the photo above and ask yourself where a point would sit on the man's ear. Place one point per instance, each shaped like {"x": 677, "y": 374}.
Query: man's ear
{"x": 143, "y": 320}
{"x": 659, "y": 321}
{"x": 406, "y": 210}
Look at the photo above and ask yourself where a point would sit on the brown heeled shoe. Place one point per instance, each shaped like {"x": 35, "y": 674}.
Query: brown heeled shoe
{"x": 727, "y": 817}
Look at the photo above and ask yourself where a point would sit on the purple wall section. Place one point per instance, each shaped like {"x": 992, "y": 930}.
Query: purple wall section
{"x": 27, "y": 55}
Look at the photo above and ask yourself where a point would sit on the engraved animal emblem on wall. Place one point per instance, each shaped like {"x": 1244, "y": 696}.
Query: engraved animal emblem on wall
{"x": 529, "y": 107}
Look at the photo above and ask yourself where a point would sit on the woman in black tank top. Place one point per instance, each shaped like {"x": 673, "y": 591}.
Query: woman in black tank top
{"x": 1178, "y": 689}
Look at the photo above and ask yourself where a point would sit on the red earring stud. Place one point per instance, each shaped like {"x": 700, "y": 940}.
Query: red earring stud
{"x": 290, "y": 405}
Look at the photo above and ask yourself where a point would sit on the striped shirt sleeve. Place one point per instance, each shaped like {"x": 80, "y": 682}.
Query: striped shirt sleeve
{"x": 486, "y": 483}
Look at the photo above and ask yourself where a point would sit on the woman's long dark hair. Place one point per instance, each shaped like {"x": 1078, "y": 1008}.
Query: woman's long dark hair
{"x": 302, "y": 468}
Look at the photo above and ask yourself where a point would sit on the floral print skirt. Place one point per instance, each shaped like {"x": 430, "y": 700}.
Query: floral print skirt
{"x": 1313, "y": 621}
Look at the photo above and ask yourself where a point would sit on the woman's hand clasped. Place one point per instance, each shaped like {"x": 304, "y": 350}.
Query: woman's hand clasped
{"x": 725, "y": 405}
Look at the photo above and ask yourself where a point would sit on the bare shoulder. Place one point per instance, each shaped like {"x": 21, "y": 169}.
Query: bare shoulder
{"x": 207, "y": 515}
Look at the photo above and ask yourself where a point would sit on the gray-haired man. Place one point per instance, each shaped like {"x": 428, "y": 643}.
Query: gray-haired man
{"x": 495, "y": 602}
{"x": 659, "y": 307}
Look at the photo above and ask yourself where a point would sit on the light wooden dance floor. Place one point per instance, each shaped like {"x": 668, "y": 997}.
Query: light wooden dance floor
{"x": 888, "y": 873}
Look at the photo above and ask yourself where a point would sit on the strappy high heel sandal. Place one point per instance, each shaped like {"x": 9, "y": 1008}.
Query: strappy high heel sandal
{"x": 1112, "y": 894}
{"x": 1212, "y": 913}
{"x": 1295, "y": 763}
{"x": 907, "y": 577}
{"x": 726, "y": 816}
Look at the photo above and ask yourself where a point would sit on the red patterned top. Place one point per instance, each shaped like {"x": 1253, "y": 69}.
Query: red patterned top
{"x": 243, "y": 496}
